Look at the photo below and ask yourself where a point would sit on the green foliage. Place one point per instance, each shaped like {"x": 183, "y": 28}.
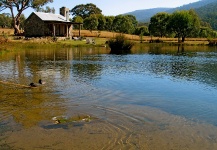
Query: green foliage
{"x": 133, "y": 20}
{"x": 208, "y": 13}
{"x": 101, "y": 22}
{"x": 109, "y": 22}
{"x": 91, "y": 23}
{"x": 85, "y": 10}
{"x": 142, "y": 30}
{"x": 5, "y": 21}
{"x": 123, "y": 24}
{"x": 184, "y": 23}
{"x": 119, "y": 45}
{"x": 77, "y": 19}
{"x": 46, "y": 10}
{"x": 158, "y": 24}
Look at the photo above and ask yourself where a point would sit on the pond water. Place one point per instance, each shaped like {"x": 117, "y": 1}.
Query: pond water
{"x": 154, "y": 98}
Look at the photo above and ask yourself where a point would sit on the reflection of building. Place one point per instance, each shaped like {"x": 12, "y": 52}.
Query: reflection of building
{"x": 40, "y": 24}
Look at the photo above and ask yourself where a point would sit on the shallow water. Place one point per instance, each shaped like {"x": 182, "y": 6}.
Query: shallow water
{"x": 155, "y": 98}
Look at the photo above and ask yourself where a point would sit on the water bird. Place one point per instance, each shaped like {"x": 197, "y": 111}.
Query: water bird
{"x": 40, "y": 82}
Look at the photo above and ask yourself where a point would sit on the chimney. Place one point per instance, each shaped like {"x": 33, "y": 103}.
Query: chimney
{"x": 65, "y": 12}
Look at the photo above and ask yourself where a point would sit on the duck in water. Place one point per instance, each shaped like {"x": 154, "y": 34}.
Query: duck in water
{"x": 35, "y": 85}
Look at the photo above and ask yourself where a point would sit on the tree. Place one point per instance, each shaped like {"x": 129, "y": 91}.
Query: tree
{"x": 91, "y": 23}
{"x": 133, "y": 19}
{"x": 5, "y": 20}
{"x": 77, "y": 19}
{"x": 20, "y": 6}
{"x": 158, "y": 24}
{"x": 184, "y": 23}
{"x": 101, "y": 22}
{"x": 46, "y": 10}
{"x": 109, "y": 22}
{"x": 143, "y": 30}
{"x": 85, "y": 10}
{"x": 123, "y": 24}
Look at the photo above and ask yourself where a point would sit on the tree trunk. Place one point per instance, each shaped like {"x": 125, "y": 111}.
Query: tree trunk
{"x": 16, "y": 25}
{"x": 183, "y": 39}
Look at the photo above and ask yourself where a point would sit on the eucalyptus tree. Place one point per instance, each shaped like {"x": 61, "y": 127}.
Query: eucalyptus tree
{"x": 5, "y": 20}
{"x": 109, "y": 22}
{"x": 85, "y": 10}
{"x": 123, "y": 24}
{"x": 158, "y": 24}
{"x": 77, "y": 19}
{"x": 101, "y": 22}
{"x": 142, "y": 31}
{"x": 46, "y": 10}
{"x": 91, "y": 23}
{"x": 20, "y": 6}
{"x": 184, "y": 23}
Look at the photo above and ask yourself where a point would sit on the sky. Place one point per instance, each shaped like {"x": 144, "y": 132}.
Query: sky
{"x": 115, "y": 7}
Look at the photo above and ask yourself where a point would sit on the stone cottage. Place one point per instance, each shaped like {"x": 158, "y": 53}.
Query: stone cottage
{"x": 40, "y": 24}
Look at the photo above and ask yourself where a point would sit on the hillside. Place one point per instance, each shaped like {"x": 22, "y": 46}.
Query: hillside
{"x": 145, "y": 14}
{"x": 208, "y": 14}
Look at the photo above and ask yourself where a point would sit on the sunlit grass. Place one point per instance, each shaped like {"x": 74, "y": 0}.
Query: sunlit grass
{"x": 8, "y": 41}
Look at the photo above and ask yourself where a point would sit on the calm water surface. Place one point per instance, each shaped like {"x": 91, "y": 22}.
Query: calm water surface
{"x": 155, "y": 98}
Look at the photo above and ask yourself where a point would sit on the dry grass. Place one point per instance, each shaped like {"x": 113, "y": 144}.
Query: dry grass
{"x": 6, "y": 31}
{"x": 107, "y": 35}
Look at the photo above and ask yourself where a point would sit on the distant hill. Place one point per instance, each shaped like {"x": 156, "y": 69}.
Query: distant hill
{"x": 145, "y": 14}
{"x": 208, "y": 13}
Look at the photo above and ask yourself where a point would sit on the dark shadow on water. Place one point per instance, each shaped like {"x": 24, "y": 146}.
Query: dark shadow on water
{"x": 62, "y": 125}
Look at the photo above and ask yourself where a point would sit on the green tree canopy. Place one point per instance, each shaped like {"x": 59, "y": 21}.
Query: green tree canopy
{"x": 123, "y": 24}
{"x": 85, "y": 10}
{"x": 91, "y": 23}
{"x": 5, "y": 20}
{"x": 20, "y": 6}
{"x": 158, "y": 24}
{"x": 77, "y": 19}
{"x": 101, "y": 22}
{"x": 46, "y": 10}
{"x": 184, "y": 23}
{"x": 109, "y": 22}
{"x": 142, "y": 30}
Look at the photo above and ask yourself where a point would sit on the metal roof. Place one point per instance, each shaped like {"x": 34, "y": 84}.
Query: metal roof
{"x": 51, "y": 17}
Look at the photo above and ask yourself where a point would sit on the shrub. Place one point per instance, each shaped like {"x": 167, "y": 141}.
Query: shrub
{"x": 119, "y": 45}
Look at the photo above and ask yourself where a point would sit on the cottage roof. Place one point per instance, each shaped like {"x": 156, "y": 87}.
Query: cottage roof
{"x": 51, "y": 17}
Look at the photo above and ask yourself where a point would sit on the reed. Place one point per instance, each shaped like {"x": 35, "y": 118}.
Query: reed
{"x": 120, "y": 45}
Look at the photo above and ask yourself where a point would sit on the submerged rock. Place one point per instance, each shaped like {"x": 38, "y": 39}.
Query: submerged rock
{"x": 76, "y": 118}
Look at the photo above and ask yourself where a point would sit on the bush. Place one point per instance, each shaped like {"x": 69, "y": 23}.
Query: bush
{"x": 119, "y": 45}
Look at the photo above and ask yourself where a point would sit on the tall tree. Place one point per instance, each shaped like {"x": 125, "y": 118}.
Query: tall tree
{"x": 158, "y": 24}
{"x": 101, "y": 22}
{"x": 85, "y": 10}
{"x": 5, "y": 20}
{"x": 109, "y": 21}
{"x": 20, "y": 6}
{"x": 91, "y": 23}
{"x": 184, "y": 23}
{"x": 77, "y": 19}
{"x": 46, "y": 10}
{"x": 123, "y": 24}
{"x": 142, "y": 30}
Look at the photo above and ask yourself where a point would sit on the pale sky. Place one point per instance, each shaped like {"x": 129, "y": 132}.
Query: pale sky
{"x": 116, "y": 7}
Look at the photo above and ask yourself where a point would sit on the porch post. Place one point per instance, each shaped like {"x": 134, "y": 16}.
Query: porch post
{"x": 54, "y": 30}
{"x": 67, "y": 31}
